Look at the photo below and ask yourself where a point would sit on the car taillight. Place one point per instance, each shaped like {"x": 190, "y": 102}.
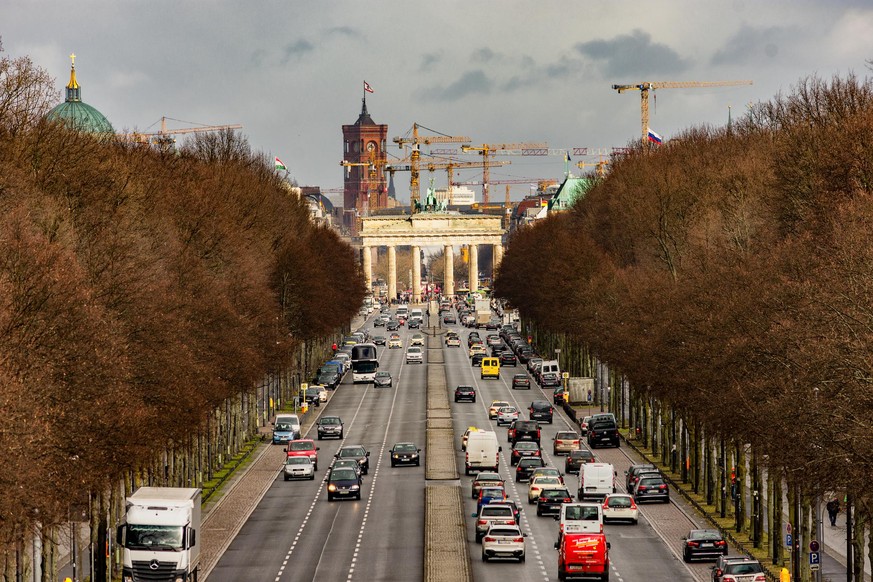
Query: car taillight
{"x": 536, "y": 453}
{"x": 490, "y": 539}
{"x": 692, "y": 544}
{"x": 605, "y": 505}
{"x": 483, "y": 522}
{"x": 721, "y": 543}
{"x": 568, "y": 500}
{"x": 662, "y": 486}
{"x": 518, "y": 540}
{"x": 760, "y": 578}
{"x": 633, "y": 505}
{"x": 642, "y": 488}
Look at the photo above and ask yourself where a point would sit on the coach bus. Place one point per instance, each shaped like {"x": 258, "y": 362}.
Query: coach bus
{"x": 364, "y": 363}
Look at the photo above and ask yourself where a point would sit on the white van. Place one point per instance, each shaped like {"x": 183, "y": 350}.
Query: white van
{"x": 596, "y": 481}
{"x": 550, "y": 367}
{"x": 483, "y": 452}
{"x": 416, "y": 313}
{"x": 580, "y": 518}
{"x": 403, "y": 311}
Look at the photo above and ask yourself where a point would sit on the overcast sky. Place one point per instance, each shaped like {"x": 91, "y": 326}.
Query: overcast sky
{"x": 497, "y": 71}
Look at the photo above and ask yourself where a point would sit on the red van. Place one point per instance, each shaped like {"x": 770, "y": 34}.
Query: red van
{"x": 583, "y": 555}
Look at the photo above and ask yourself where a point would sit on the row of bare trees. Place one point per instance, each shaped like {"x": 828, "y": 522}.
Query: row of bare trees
{"x": 139, "y": 290}
{"x": 727, "y": 276}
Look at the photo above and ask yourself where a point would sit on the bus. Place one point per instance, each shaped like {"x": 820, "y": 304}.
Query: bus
{"x": 364, "y": 363}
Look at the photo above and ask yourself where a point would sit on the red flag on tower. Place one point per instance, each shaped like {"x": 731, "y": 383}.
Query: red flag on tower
{"x": 367, "y": 87}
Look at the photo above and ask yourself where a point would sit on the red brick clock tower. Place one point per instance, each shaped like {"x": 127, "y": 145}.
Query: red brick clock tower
{"x": 364, "y": 143}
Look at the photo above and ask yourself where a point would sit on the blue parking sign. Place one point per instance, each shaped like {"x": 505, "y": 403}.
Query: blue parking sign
{"x": 787, "y": 540}
{"x": 814, "y": 558}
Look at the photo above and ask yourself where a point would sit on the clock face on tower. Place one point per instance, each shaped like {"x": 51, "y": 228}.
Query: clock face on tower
{"x": 371, "y": 146}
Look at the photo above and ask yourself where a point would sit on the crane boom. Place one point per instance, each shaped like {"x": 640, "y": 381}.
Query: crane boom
{"x": 489, "y": 149}
{"x": 647, "y": 86}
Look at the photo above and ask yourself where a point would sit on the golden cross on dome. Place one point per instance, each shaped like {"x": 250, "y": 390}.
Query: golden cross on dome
{"x": 73, "y": 59}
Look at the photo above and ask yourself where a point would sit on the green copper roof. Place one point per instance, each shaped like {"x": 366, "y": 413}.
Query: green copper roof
{"x": 571, "y": 190}
{"x": 76, "y": 114}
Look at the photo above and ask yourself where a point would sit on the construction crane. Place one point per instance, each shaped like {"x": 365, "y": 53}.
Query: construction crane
{"x": 449, "y": 167}
{"x": 644, "y": 89}
{"x": 416, "y": 141}
{"x": 599, "y": 167}
{"x": 162, "y": 138}
{"x": 487, "y": 150}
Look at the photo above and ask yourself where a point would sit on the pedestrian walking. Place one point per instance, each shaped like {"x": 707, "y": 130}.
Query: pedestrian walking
{"x": 833, "y": 507}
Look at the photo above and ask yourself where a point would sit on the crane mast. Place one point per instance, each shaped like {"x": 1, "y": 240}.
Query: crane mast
{"x": 415, "y": 158}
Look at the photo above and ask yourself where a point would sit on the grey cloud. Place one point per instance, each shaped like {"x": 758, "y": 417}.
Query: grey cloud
{"x": 632, "y": 54}
{"x": 345, "y": 31}
{"x": 470, "y": 83}
{"x": 750, "y": 44}
{"x": 429, "y": 60}
{"x": 257, "y": 57}
{"x": 483, "y": 55}
{"x": 297, "y": 50}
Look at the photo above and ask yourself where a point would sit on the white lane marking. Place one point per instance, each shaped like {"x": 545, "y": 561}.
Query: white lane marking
{"x": 318, "y": 493}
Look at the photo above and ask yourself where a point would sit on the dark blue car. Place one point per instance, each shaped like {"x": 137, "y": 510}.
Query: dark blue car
{"x": 343, "y": 482}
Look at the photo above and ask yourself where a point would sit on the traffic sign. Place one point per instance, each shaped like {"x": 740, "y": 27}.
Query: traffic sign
{"x": 813, "y": 546}
{"x": 565, "y": 375}
{"x": 788, "y": 540}
{"x": 787, "y": 528}
{"x": 814, "y": 560}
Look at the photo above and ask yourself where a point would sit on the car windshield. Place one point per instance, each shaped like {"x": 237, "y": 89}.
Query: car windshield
{"x": 348, "y": 463}
{"x": 650, "y": 482}
{"x": 582, "y": 512}
{"x": 619, "y": 502}
{"x": 499, "y": 404}
{"x": 504, "y": 532}
{"x": 566, "y": 436}
{"x": 488, "y": 477}
{"x": 330, "y": 420}
{"x": 414, "y": 350}
{"x": 508, "y": 410}
{"x": 284, "y": 426}
{"x": 555, "y": 493}
{"x": 492, "y": 492}
{"x": 751, "y": 568}
{"x": 530, "y": 462}
{"x": 540, "y": 405}
{"x": 405, "y": 447}
{"x": 352, "y": 452}
{"x": 703, "y": 534}
{"x": 581, "y": 454}
{"x": 298, "y": 461}
{"x": 301, "y": 446}
{"x": 547, "y": 481}
{"x": 343, "y": 474}
{"x": 496, "y": 511}
{"x": 526, "y": 446}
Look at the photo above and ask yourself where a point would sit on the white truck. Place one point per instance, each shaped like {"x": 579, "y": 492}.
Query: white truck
{"x": 160, "y": 535}
{"x": 483, "y": 312}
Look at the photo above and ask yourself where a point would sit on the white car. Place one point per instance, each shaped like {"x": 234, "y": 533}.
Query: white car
{"x": 298, "y": 468}
{"x": 322, "y": 392}
{"x": 495, "y": 407}
{"x": 503, "y": 541}
{"x": 416, "y": 340}
{"x": 506, "y": 415}
{"x": 537, "y": 484}
{"x": 414, "y": 354}
{"x": 395, "y": 342}
{"x": 620, "y": 507}
{"x": 453, "y": 342}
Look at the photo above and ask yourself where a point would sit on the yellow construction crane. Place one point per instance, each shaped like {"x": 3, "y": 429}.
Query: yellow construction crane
{"x": 644, "y": 89}
{"x": 487, "y": 150}
{"x": 599, "y": 167}
{"x": 162, "y": 138}
{"x": 415, "y": 141}
{"x": 449, "y": 167}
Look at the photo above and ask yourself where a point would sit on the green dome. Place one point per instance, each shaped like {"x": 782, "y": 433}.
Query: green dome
{"x": 76, "y": 114}
{"x": 80, "y": 116}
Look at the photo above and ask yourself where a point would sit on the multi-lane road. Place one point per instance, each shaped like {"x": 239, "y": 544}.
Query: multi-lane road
{"x": 296, "y": 534}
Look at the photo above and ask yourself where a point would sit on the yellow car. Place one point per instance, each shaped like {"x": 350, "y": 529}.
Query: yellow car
{"x": 395, "y": 342}
{"x": 490, "y": 368}
{"x": 467, "y": 434}
{"x": 538, "y": 484}
{"x": 495, "y": 407}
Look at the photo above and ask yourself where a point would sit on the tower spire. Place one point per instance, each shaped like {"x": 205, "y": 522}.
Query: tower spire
{"x": 74, "y": 92}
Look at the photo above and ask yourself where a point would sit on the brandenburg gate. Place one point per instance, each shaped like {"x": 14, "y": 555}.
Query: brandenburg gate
{"x": 429, "y": 229}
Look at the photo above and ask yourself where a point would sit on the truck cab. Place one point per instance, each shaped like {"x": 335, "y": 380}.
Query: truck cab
{"x": 160, "y": 535}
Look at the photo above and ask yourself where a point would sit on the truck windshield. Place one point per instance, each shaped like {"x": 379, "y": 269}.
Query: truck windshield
{"x": 154, "y": 537}
{"x": 365, "y": 366}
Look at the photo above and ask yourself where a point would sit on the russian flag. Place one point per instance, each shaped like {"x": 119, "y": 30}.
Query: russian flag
{"x": 654, "y": 137}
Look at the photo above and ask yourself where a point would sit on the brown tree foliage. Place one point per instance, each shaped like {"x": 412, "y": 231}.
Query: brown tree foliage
{"x": 138, "y": 290}
{"x": 728, "y": 273}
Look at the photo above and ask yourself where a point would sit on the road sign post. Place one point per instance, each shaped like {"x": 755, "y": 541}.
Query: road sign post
{"x": 814, "y": 561}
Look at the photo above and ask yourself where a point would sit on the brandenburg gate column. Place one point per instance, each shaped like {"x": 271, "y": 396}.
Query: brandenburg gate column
{"x": 449, "y": 274}
{"x": 416, "y": 274}
{"x": 474, "y": 268}
{"x": 368, "y": 268}
{"x": 392, "y": 273}
{"x": 496, "y": 258}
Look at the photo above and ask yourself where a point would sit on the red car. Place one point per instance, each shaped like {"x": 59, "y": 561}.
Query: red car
{"x": 303, "y": 448}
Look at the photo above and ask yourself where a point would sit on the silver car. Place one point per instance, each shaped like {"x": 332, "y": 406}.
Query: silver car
{"x": 298, "y": 468}
{"x": 414, "y": 355}
{"x": 506, "y": 415}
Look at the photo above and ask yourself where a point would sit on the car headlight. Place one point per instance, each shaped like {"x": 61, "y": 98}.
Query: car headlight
{"x": 396, "y": 456}
{"x": 354, "y": 487}
{"x": 331, "y": 487}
